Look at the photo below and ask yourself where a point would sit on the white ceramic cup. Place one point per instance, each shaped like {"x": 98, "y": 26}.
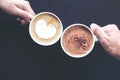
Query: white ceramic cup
{"x": 77, "y": 40}
{"x": 45, "y": 28}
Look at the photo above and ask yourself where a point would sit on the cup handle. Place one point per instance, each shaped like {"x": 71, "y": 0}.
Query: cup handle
{"x": 96, "y": 39}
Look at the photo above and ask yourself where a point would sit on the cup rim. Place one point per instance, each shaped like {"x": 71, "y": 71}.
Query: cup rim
{"x": 81, "y": 55}
{"x": 38, "y": 42}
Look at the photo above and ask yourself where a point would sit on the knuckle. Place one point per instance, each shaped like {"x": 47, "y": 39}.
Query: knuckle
{"x": 27, "y": 2}
{"x": 113, "y": 26}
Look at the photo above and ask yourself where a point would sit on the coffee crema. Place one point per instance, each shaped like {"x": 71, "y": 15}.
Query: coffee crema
{"x": 77, "y": 40}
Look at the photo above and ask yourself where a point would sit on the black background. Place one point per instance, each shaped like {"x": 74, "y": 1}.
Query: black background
{"x": 22, "y": 59}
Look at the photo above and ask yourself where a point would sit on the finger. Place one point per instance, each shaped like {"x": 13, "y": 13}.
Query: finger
{"x": 113, "y": 27}
{"x": 23, "y": 22}
{"x": 102, "y": 36}
{"x": 18, "y": 19}
{"x": 110, "y": 26}
{"x": 28, "y": 8}
{"x": 23, "y": 14}
{"x": 98, "y": 31}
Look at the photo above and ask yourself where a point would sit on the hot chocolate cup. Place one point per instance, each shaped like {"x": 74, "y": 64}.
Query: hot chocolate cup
{"x": 77, "y": 40}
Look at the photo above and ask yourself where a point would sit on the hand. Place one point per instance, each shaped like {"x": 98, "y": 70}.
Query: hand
{"x": 108, "y": 37}
{"x": 20, "y": 8}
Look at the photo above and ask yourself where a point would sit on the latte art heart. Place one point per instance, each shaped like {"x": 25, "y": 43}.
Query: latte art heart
{"x": 44, "y": 30}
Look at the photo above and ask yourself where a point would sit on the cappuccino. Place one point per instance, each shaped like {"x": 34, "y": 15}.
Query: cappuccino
{"x": 45, "y": 28}
{"x": 77, "y": 40}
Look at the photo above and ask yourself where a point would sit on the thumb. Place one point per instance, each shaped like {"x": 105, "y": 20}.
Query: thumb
{"x": 98, "y": 31}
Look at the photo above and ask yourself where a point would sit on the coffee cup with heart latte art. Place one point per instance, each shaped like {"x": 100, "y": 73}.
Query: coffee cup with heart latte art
{"x": 45, "y": 28}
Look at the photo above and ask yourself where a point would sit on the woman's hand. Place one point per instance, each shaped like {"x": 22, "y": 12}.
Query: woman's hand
{"x": 109, "y": 38}
{"x": 20, "y": 8}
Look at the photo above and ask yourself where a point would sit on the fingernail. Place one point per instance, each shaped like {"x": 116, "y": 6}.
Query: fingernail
{"x": 30, "y": 16}
{"x": 93, "y": 26}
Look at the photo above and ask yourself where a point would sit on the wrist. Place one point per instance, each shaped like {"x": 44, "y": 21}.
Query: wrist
{"x": 1, "y": 4}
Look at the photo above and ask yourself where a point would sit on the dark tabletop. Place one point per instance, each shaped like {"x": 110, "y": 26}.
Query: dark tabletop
{"x": 22, "y": 59}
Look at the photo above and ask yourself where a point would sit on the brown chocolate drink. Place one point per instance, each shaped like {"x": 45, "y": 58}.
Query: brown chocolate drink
{"x": 77, "y": 40}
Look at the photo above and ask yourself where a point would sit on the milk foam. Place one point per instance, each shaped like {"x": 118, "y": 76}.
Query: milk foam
{"x": 44, "y": 30}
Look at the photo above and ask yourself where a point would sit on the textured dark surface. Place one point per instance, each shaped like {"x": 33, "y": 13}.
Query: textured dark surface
{"x": 22, "y": 59}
